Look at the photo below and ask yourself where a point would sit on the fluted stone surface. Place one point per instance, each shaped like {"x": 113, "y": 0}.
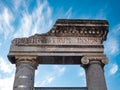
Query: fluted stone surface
{"x": 24, "y": 77}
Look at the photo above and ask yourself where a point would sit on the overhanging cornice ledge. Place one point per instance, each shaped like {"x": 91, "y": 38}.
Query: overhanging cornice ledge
{"x": 81, "y": 28}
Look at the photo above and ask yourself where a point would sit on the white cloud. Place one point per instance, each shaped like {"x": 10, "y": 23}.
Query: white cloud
{"x": 6, "y": 19}
{"x": 112, "y": 45}
{"x": 48, "y": 79}
{"x": 5, "y": 67}
{"x": 59, "y": 70}
{"x": 68, "y": 14}
{"x": 25, "y": 26}
{"x": 81, "y": 74}
{"x": 113, "y": 69}
{"x": 7, "y": 83}
{"x": 62, "y": 70}
{"x": 17, "y": 3}
{"x": 38, "y": 21}
{"x": 45, "y": 82}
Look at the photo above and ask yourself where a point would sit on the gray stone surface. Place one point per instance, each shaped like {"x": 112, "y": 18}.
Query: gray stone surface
{"x": 95, "y": 76}
{"x": 24, "y": 77}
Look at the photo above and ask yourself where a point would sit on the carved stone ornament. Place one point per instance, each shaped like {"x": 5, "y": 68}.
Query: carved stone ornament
{"x": 87, "y": 59}
{"x": 105, "y": 61}
{"x": 26, "y": 60}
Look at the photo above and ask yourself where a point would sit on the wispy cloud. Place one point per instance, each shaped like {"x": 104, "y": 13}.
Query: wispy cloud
{"x": 25, "y": 26}
{"x": 19, "y": 22}
{"x": 48, "y": 79}
{"x": 60, "y": 70}
{"x": 112, "y": 45}
{"x": 38, "y": 21}
{"x": 6, "y": 20}
{"x": 68, "y": 14}
{"x": 103, "y": 11}
{"x": 113, "y": 69}
{"x": 18, "y": 3}
{"x": 5, "y": 67}
{"x": 7, "y": 83}
{"x": 81, "y": 74}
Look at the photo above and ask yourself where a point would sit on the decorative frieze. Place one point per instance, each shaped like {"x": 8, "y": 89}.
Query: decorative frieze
{"x": 38, "y": 40}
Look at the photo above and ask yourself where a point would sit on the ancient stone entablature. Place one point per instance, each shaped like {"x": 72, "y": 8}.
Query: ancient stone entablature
{"x": 69, "y": 36}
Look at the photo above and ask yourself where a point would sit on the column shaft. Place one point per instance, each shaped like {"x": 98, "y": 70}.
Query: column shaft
{"x": 25, "y": 70}
{"x": 95, "y": 76}
{"x": 24, "y": 77}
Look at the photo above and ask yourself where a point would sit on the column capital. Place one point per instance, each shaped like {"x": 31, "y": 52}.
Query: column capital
{"x": 94, "y": 59}
{"x": 31, "y": 60}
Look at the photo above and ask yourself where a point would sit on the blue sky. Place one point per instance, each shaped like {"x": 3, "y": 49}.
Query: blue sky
{"x": 23, "y": 18}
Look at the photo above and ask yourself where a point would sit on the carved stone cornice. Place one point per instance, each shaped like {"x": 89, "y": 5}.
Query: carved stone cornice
{"x": 26, "y": 60}
{"x": 77, "y": 27}
{"x": 79, "y": 31}
{"x": 86, "y": 60}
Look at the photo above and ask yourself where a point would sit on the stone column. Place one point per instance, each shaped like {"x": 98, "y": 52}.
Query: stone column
{"x": 94, "y": 72}
{"x": 25, "y": 70}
